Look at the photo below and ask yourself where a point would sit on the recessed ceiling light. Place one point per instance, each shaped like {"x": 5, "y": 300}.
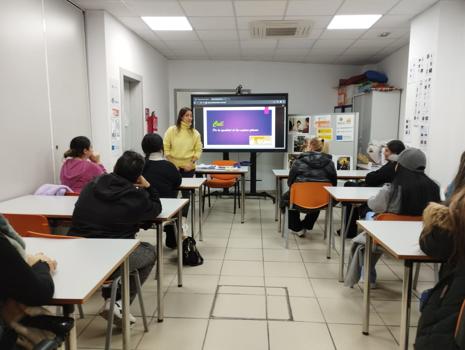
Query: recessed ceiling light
{"x": 167, "y": 23}
{"x": 353, "y": 21}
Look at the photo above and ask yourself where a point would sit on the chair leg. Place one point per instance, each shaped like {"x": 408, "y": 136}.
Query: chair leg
{"x": 235, "y": 194}
{"x": 286, "y": 227}
{"x": 209, "y": 195}
{"x": 203, "y": 198}
{"x": 141, "y": 300}
{"x": 114, "y": 288}
{"x": 238, "y": 195}
{"x": 326, "y": 223}
{"x": 81, "y": 311}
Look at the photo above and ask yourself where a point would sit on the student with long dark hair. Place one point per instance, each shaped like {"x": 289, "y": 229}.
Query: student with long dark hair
{"x": 81, "y": 164}
{"x": 183, "y": 146}
{"x": 459, "y": 180}
{"x": 162, "y": 175}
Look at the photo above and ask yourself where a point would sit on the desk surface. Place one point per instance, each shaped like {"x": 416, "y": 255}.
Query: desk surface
{"x": 341, "y": 174}
{"x": 399, "y": 238}
{"x": 63, "y": 206}
{"x": 241, "y": 170}
{"x": 82, "y": 264}
{"x": 352, "y": 194}
{"x": 190, "y": 183}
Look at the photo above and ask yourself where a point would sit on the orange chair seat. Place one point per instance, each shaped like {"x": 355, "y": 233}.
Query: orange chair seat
{"x": 218, "y": 183}
{"x": 309, "y": 195}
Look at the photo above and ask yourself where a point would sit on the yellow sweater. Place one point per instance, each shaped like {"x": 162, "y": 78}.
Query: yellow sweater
{"x": 182, "y": 145}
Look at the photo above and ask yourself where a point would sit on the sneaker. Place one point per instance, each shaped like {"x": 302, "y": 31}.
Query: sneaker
{"x": 117, "y": 314}
{"x": 300, "y": 233}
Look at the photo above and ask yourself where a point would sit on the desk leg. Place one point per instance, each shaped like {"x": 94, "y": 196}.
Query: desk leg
{"x": 179, "y": 240}
{"x": 330, "y": 228}
{"x": 366, "y": 284}
{"x": 242, "y": 197}
{"x": 406, "y": 303}
{"x": 276, "y": 206}
{"x": 160, "y": 271}
{"x": 193, "y": 213}
{"x": 125, "y": 297}
{"x": 342, "y": 243}
{"x": 71, "y": 339}
{"x": 200, "y": 214}
{"x": 278, "y": 201}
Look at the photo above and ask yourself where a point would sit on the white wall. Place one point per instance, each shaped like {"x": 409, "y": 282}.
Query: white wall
{"x": 441, "y": 30}
{"x": 34, "y": 66}
{"x": 310, "y": 87}
{"x": 112, "y": 47}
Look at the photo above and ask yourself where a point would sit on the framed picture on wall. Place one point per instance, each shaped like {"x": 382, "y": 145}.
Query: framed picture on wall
{"x": 299, "y": 124}
{"x": 298, "y": 143}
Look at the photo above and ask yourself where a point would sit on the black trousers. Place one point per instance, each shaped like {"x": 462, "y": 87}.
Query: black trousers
{"x": 295, "y": 224}
{"x": 186, "y": 193}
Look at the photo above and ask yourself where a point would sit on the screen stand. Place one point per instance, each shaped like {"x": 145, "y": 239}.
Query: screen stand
{"x": 253, "y": 180}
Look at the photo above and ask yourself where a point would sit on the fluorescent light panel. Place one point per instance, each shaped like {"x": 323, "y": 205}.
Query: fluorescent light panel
{"x": 168, "y": 23}
{"x": 353, "y": 21}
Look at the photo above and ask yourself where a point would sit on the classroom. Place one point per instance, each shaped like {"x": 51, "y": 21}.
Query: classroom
{"x": 245, "y": 160}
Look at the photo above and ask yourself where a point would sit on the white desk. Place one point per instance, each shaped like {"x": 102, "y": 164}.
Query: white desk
{"x": 230, "y": 171}
{"x": 401, "y": 240}
{"x": 353, "y": 195}
{"x": 281, "y": 174}
{"x": 192, "y": 184}
{"x": 94, "y": 263}
{"x": 63, "y": 207}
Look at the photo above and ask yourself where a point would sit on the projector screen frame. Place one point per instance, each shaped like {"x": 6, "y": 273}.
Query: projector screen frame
{"x": 245, "y": 150}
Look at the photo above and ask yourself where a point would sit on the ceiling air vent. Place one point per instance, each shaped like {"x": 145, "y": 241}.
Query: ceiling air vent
{"x": 277, "y": 29}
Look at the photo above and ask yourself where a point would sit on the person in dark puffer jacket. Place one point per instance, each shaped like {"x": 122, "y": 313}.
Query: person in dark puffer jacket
{"x": 311, "y": 166}
{"x": 443, "y": 238}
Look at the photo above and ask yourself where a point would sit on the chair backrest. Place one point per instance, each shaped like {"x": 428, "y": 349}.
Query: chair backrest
{"x": 47, "y": 235}
{"x": 23, "y": 223}
{"x": 309, "y": 195}
{"x": 71, "y": 194}
{"x": 398, "y": 217}
{"x": 226, "y": 177}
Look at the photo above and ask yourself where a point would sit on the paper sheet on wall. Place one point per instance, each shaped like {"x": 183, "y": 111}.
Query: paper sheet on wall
{"x": 325, "y": 133}
{"x": 344, "y": 127}
{"x": 115, "y": 115}
{"x": 322, "y": 121}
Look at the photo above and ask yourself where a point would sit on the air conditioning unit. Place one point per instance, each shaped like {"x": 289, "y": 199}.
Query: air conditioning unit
{"x": 279, "y": 29}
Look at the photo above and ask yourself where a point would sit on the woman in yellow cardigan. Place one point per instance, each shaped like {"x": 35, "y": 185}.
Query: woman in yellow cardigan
{"x": 183, "y": 147}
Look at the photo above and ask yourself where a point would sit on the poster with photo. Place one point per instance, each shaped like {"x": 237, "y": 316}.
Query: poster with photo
{"x": 298, "y": 143}
{"x": 290, "y": 159}
{"x": 342, "y": 162}
{"x": 345, "y": 127}
{"x": 299, "y": 124}
{"x": 322, "y": 121}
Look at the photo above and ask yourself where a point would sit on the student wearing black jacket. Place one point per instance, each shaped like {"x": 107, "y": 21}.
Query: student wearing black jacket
{"x": 114, "y": 206}
{"x": 162, "y": 174}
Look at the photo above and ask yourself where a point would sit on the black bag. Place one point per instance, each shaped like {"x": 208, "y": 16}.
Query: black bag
{"x": 190, "y": 254}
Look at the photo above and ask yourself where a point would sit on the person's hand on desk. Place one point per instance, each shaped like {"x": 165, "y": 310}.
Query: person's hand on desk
{"x": 34, "y": 259}
{"x": 142, "y": 182}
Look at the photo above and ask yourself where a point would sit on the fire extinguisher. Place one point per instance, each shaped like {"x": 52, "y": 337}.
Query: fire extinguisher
{"x": 152, "y": 123}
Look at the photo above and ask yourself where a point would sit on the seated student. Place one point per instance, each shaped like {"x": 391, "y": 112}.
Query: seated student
{"x": 25, "y": 280}
{"x": 81, "y": 164}
{"x": 310, "y": 166}
{"x": 409, "y": 194}
{"x": 162, "y": 174}
{"x": 459, "y": 179}
{"x": 441, "y": 325}
{"x": 113, "y": 206}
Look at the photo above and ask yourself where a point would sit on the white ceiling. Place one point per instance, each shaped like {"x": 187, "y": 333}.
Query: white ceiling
{"x": 221, "y": 28}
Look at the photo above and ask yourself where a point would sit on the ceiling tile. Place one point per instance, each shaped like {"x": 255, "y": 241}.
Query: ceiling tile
{"x": 116, "y": 8}
{"x": 291, "y": 52}
{"x": 244, "y": 22}
{"x": 393, "y": 21}
{"x": 208, "y": 8}
{"x": 203, "y": 23}
{"x": 157, "y": 8}
{"x": 361, "y": 51}
{"x": 217, "y": 34}
{"x": 342, "y": 34}
{"x": 219, "y": 44}
{"x": 373, "y": 43}
{"x": 362, "y": 7}
{"x": 258, "y": 52}
{"x": 411, "y": 7}
{"x": 245, "y": 35}
{"x": 320, "y": 59}
{"x": 295, "y": 43}
{"x": 189, "y": 52}
{"x": 327, "y": 51}
{"x": 357, "y": 60}
{"x": 184, "y": 44}
{"x": 260, "y": 8}
{"x": 259, "y": 44}
{"x": 317, "y": 21}
{"x": 230, "y": 57}
{"x": 176, "y": 35}
{"x": 335, "y": 43}
{"x": 395, "y": 33}
{"x": 289, "y": 59}
{"x": 312, "y": 7}
{"x": 223, "y": 52}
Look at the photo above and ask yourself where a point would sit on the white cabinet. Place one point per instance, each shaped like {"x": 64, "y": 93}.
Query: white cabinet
{"x": 378, "y": 117}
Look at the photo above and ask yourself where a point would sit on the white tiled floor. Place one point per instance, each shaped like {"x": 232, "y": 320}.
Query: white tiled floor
{"x": 302, "y": 307}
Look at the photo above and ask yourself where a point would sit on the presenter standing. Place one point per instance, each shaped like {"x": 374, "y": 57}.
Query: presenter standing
{"x": 183, "y": 147}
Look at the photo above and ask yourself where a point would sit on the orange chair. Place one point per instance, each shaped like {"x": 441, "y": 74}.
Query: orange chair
{"x": 27, "y": 225}
{"x": 307, "y": 196}
{"x": 72, "y": 194}
{"x": 223, "y": 181}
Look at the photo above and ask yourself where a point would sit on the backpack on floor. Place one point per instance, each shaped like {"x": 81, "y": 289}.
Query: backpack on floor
{"x": 190, "y": 254}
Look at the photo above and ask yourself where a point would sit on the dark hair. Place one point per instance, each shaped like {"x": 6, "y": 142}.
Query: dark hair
{"x": 307, "y": 120}
{"x": 395, "y": 146}
{"x": 299, "y": 122}
{"x": 129, "y": 166}
{"x": 152, "y": 143}
{"x": 456, "y": 210}
{"x": 77, "y": 146}
{"x": 416, "y": 190}
{"x": 459, "y": 180}
{"x": 181, "y": 113}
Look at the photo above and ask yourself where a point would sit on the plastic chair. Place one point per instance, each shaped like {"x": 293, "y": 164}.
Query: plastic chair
{"x": 398, "y": 217}
{"x": 29, "y": 224}
{"x": 72, "y": 194}
{"x": 305, "y": 197}
{"x": 223, "y": 181}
